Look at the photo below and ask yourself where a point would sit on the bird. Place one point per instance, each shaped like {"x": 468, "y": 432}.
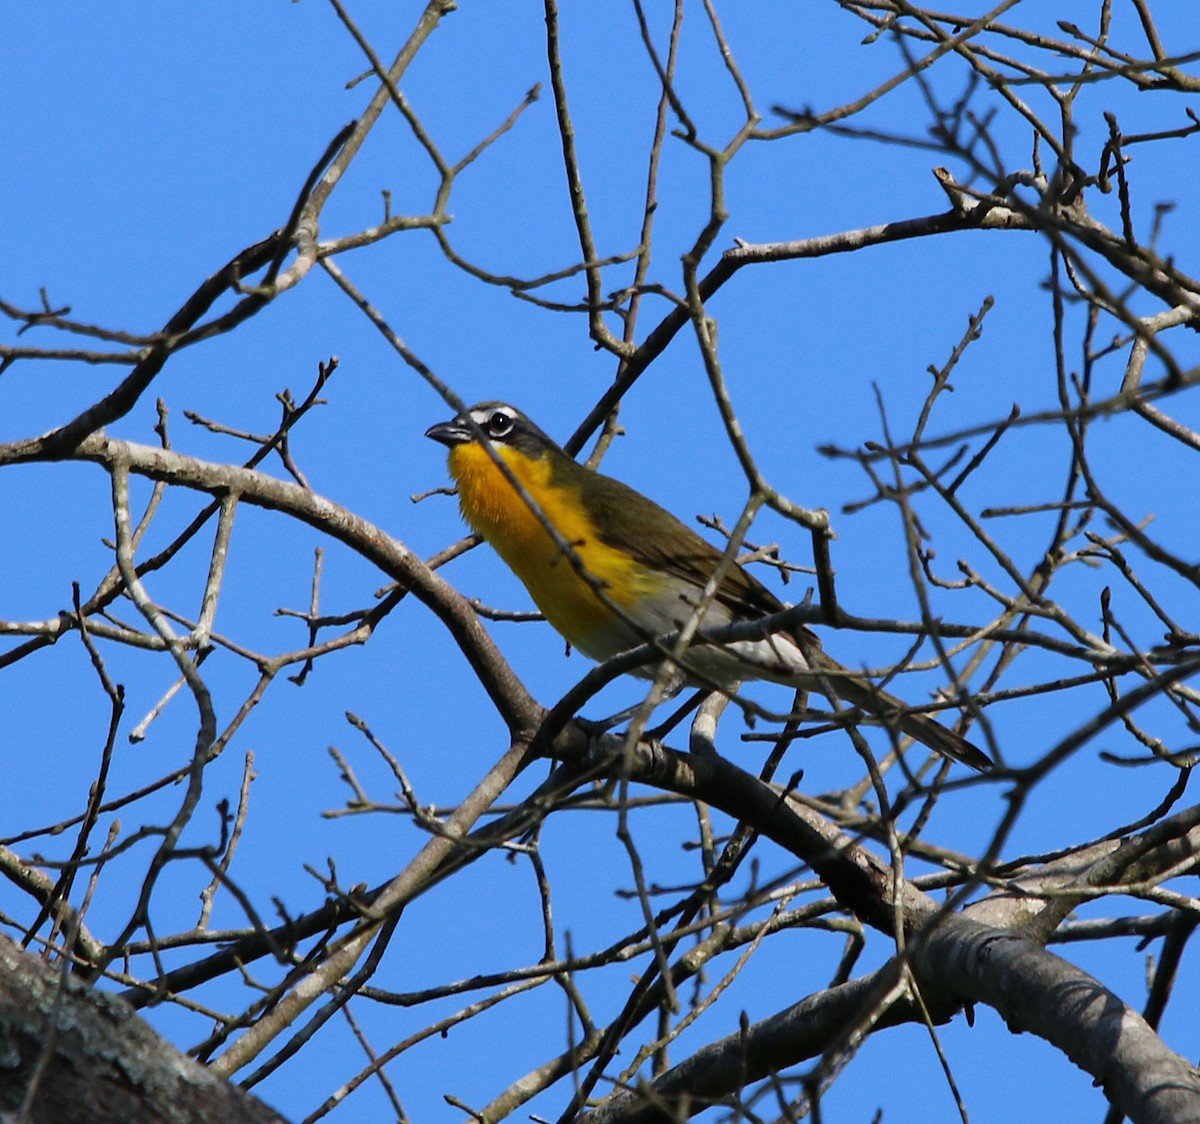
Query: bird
{"x": 636, "y": 572}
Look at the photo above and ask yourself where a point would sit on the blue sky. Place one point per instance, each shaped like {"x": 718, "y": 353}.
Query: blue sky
{"x": 148, "y": 143}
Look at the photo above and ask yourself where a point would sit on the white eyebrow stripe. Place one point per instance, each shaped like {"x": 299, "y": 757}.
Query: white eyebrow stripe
{"x": 481, "y": 416}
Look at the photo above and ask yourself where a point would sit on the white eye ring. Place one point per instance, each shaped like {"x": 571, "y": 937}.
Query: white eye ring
{"x": 499, "y": 424}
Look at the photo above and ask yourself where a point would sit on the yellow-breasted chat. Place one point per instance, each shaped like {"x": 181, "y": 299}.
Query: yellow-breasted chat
{"x": 640, "y": 573}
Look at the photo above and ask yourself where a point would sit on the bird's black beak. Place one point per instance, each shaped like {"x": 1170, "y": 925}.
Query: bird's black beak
{"x": 449, "y": 433}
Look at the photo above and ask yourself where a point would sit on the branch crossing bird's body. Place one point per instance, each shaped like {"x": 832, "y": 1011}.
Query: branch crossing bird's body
{"x": 643, "y": 570}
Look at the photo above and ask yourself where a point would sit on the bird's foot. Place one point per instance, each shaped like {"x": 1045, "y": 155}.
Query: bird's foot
{"x": 597, "y": 727}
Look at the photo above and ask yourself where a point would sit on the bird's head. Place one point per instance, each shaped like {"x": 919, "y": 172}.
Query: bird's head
{"x": 499, "y": 424}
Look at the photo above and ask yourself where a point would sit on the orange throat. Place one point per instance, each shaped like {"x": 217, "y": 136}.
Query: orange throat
{"x": 494, "y": 509}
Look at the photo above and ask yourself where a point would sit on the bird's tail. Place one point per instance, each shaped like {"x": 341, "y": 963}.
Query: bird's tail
{"x": 861, "y": 693}
{"x": 797, "y": 659}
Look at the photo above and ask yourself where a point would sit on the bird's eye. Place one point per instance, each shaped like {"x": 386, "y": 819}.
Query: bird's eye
{"x": 499, "y": 424}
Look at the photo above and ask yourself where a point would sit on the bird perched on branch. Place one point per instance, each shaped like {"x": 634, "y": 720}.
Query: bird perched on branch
{"x": 620, "y": 570}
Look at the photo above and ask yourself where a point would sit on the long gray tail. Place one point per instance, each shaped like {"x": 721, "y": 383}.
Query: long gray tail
{"x": 859, "y": 692}
{"x": 798, "y": 660}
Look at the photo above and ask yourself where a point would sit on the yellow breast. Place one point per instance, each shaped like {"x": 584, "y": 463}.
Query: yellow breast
{"x": 495, "y": 510}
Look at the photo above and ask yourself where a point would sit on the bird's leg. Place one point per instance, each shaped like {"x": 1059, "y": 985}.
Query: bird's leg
{"x": 670, "y": 689}
{"x": 678, "y": 715}
{"x": 597, "y": 726}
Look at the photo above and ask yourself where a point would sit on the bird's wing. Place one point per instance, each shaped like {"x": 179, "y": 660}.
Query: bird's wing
{"x": 661, "y": 542}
